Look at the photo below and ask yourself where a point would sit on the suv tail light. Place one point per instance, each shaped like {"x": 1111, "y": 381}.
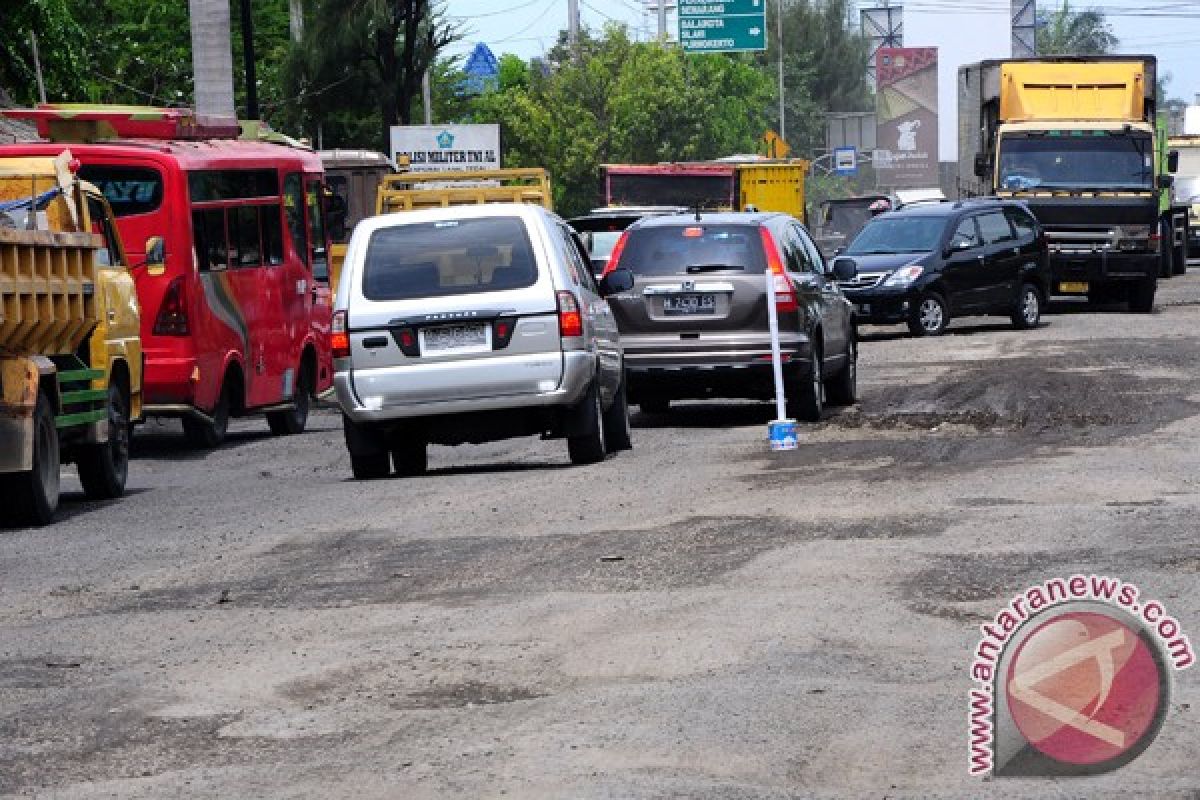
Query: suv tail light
{"x": 615, "y": 255}
{"x": 339, "y": 337}
{"x": 785, "y": 291}
{"x": 172, "y": 319}
{"x": 570, "y": 320}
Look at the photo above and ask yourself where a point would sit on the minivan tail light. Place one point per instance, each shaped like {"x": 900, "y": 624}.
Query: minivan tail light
{"x": 615, "y": 255}
{"x": 570, "y": 320}
{"x": 785, "y": 291}
{"x": 172, "y": 319}
{"x": 339, "y": 337}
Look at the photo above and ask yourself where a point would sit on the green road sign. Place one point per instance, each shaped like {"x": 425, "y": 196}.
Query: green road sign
{"x": 722, "y": 27}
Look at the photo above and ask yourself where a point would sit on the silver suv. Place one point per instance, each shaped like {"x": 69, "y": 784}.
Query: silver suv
{"x": 472, "y": 324}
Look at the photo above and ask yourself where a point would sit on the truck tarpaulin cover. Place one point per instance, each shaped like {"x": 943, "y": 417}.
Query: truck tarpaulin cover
{"x": 906, "y": 110}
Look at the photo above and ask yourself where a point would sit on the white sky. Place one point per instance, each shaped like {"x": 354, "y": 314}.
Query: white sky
{"x": 962, "y": 29}
{"x": 1169, "y": 29}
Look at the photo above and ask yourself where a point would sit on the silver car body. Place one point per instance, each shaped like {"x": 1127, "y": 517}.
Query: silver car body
{"x": 538, "y": 367}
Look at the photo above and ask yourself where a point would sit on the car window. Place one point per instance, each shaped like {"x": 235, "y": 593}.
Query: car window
{"x": 898, "y": 234}
{"x": 794, "y": 257}
{"x": 966, "y": 235}
{"x": 995, "y": 228}
{"x": 813, "y": 253}
{"x": 448, "y": 257}
{"x": 1022, "y": 222}
{"x": 579, "y": 262}
{"x": 695, "y": 248}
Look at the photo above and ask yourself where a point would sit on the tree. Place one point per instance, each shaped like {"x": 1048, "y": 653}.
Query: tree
{"x": 1074, "y": 33}
{"x": 60, "y": 48}
{"x": 612, "y": 100}
{"x": 359, "y": 53}
{"x": 824, "y": 68}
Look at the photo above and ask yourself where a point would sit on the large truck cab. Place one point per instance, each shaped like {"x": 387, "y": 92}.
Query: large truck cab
{"x": 1077, "y": 140}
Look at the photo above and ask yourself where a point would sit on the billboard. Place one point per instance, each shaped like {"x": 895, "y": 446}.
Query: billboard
{"x": 444, "y": 148}
{"x": 906, "y": 110}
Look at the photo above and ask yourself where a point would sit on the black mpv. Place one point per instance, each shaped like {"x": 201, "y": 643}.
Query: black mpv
{"x": 924, "y": 264}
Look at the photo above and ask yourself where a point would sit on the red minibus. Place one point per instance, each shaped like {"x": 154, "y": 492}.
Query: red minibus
{"x": 229, "y": 245}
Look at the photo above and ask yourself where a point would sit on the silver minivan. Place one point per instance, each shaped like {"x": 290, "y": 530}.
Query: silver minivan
{"x": 472, "y": 324}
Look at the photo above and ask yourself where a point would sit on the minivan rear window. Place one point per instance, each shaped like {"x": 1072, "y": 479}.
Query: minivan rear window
{"x": 696, "y": 248}
{"x": 448, "y": 257}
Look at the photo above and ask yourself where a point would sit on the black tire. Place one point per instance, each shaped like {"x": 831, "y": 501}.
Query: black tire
{"x": 294, "y": 420}
{"x": 206, "y": 435}
{"x": 103, "y": 468}
{"x": 1166, "y": 249}
{"x": 1028, "y": 311}
{"x": 410, "y": 459}
{"x": 589, "y": 447}
{"x": 843, "y": 389}
{"x": 369, "y": 457}
{"x": 1141, "y": 296}
{"x": 616, "y": 422}
{"x": 929, "y": 317}
{"x": 34, "y": 494}
{"x": 806, "y": 398}
{"x": 654, "y": 405}
{"x": 372, "y": 467}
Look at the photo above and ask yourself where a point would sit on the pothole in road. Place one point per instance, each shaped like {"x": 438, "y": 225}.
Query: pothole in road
{"x": 380, "y": 567}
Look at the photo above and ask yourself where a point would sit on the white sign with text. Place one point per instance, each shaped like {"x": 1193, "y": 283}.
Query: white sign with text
{"x": 447, "y": 148}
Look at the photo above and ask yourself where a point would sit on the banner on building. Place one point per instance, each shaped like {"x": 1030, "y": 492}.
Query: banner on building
{"x": 906, "y": 107}
{"x": 443, "y": 148}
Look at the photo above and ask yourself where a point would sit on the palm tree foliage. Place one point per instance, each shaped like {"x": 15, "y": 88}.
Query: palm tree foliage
{"x": 1074, "y": 33}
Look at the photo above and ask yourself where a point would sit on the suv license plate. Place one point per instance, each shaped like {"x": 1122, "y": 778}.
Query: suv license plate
{"x": 456, "y": 339}
{"x": 690, "y": 304}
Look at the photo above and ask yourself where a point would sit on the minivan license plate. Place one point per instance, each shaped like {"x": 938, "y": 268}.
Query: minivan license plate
{"x": 454, "y": 339}
{"x": 690, "y": 304}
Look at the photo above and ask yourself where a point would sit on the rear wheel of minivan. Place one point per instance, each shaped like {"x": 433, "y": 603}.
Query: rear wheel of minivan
{"x": 588, "y": 446}
{"x": 410, "y": 459}
{"x": 369, "y": 459}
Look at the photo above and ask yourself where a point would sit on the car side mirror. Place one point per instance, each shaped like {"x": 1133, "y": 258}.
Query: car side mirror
{"x": 845, "y": 269}
{"x": 1173, "y": 161}
{"x": 837, "y": 251}
{"x": 958, "y": 246}
{"x": 156, "y": 256}
{"x": 981, "y": 165}
{"x": 1166, "y": 181}
{"x": 616, "y": 282}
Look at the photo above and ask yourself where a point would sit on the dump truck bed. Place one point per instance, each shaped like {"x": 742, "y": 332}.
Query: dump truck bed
{"x": 416, "y": 190}
{"x": 47, "y": 291}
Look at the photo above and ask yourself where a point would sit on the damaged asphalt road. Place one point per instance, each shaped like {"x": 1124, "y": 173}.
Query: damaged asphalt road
{"x": 696, "y": 618}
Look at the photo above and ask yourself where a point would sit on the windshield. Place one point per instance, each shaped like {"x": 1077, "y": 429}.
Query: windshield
{"x": 455, "y": 256}
{"x": 1080, "y": 160}
{"x": 848, "y": 219}
{"x": 681, "y": 250}
{"x": 898, "y": 235}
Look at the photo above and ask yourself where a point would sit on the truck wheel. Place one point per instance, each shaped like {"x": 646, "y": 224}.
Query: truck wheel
{"x": 206, "y": 435}
{"x": 1166, "y": 249}
{"x": 294, "y": 420}
{"x": 35, "y": 493}
{"x": 104, "y": 467}
{"x": 588, "y": 447}
{"x": 1141, "y": 296}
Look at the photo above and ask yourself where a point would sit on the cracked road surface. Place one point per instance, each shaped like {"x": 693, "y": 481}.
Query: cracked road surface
{"x": 698, "y": 618}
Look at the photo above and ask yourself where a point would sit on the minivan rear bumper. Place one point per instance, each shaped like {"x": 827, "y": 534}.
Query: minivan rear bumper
{"x": 579, "y": 369}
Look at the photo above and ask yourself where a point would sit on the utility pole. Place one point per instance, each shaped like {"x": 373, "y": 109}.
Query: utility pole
{"x": 779, "y": 47}
{"x": 427, "y": 98}
{"x": 573, "y": 23}
{"x": 212, "y": 58}
{"x": 37, "y": 66}
{"x": 248, "y": 61}
{"x": 662, "y": 20}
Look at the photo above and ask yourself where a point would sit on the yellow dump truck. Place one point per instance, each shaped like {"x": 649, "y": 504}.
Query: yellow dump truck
{"x": 70, "y": 352}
